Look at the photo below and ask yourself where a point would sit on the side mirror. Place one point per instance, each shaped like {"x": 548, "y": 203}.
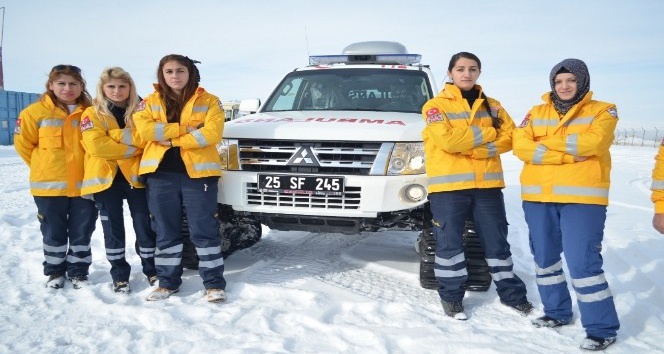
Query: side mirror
{"x": 249, "y": 106}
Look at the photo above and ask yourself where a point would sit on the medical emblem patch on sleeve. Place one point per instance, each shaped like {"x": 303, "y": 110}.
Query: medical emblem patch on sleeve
{"x": 613, "y": 112}
{"x": 86, "y": 124}
{"x": 434, "y": 115}
{"x": 525, "y": 121}
{"x": 17, "y": 128}
{"x": 140, "y": 106}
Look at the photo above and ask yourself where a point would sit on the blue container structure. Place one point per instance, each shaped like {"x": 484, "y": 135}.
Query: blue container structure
{"x": 11, "y": 104}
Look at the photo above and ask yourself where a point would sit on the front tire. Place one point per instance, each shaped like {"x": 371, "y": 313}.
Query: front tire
{"x": 236, "y": 231}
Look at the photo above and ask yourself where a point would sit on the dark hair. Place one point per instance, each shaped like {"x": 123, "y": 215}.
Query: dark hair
{"x": 174, "y": 102}
{"x": 84, "y": 99}
{"x": 465, "y": 55}
{"x": 495, "y": 121}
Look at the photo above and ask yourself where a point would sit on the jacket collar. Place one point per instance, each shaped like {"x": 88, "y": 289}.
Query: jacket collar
{"x": 451, "y": 91}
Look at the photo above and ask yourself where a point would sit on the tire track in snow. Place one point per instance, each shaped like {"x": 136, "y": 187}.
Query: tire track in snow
{"x": 291, "y": 262}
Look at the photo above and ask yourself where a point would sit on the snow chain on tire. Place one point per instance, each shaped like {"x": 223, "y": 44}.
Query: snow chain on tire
{"x": 236, "y": 233}
{"x": 479, "y": 278}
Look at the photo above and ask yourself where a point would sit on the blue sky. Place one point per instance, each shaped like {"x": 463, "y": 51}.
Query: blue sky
{"x": 246, "y": 47}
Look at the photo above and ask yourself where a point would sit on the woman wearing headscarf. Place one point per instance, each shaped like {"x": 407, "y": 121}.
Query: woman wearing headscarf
{"x": 564, "y": 144}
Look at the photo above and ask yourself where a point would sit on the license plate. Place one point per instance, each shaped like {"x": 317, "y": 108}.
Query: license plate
{"x": 312, "y": 185}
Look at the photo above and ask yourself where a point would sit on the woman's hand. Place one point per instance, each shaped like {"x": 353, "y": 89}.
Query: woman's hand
{"x": 658, "y": 222}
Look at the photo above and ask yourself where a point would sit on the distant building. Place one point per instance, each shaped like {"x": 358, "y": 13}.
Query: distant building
{"x": 11, "y": 104}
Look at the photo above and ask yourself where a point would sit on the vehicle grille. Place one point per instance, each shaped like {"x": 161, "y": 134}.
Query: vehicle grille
{"x": 334, "y": 157}
{"x": 350, "y": 200}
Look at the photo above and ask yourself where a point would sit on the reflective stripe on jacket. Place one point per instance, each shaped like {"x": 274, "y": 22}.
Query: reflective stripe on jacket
{"x": 108, "y": 147}
{"x": 48, "y": 139}
{"x": 197, "y": 134}
{"x": 548, "y": 144}
{"x": 657, "y": 186}
{"x": 461, "y": 146}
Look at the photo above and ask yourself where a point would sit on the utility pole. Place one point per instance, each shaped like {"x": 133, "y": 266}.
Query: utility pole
{"x": 2, "y": 32}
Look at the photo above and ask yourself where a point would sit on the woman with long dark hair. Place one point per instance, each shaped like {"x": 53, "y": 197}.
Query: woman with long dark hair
{"x": 183, "y": 124}
{"x": 465, "y": 134}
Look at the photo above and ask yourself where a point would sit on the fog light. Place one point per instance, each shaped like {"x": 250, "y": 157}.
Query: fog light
{"x": 415, "y": 192}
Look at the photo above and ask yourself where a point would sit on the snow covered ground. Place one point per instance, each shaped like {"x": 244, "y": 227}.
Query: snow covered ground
{"x": 297, "y": 292}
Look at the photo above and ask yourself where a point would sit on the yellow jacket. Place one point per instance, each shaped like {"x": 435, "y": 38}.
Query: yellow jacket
{"x": 197, "y": 134}
{"x": 548, "y": 145}
{"x": 108, "y": 147}
{"x": 461, "y": 146}
{"x": 48, "y": 139}
{"x": 658, "y": 181}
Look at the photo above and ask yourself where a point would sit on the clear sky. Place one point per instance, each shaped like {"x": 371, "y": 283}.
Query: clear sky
{"x": 247, "y": 46}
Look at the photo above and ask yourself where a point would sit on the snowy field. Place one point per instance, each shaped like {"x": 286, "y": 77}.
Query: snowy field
{"x": 297, "y": 292}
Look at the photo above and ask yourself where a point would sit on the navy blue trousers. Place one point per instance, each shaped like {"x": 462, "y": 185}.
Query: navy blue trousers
{"x": 577, "y": 230}
{"x": 66, "y": 225}
{"x": 486, "y": 207}
{"x": 168, "y": 194}
{"x": 110, "y": 205}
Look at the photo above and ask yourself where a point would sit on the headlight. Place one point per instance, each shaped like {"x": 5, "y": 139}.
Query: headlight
{"x": 407, "y": 159}
{"x": 228, "y": 152}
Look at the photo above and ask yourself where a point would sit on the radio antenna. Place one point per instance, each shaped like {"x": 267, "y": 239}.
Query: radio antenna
{"x": 306, "y": 40}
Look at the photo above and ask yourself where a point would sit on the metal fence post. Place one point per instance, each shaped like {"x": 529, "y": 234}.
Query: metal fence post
{"x": 656, "y": 137}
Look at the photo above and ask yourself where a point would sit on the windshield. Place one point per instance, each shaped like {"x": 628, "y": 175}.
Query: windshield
{"x": 351, "y": 89}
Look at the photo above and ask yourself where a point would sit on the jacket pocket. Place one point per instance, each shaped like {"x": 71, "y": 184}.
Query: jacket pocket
{"x": 50, "y": 139}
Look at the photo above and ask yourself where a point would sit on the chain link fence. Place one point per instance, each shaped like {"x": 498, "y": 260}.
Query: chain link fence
{"x": 639, "y": 136}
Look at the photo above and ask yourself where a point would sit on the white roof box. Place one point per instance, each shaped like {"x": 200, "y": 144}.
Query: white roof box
{"x": 375, "y": 47}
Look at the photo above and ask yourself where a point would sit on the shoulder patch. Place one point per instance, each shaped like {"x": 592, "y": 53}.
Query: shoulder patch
{"x": 17, "y": 128}
{"x": 613, "y": 112}
{"x": 525, "y": 121}
{"x": 495, "y": 110}
{"x": 140, "y": 106}
{"x": 220, "y": 104}
{"x": 434, "y": 115}
{"x": 86, "y": 124}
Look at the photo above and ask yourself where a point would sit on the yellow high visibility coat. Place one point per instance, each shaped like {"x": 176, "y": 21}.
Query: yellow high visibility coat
{"x": 461, "y": 146}
{"x": 548, "y": 145}
{"x": 657, "y": 186}
{"x": 48, "y": 139}
{"x": 197, "y": 134}
{"x": 108, "y": 147}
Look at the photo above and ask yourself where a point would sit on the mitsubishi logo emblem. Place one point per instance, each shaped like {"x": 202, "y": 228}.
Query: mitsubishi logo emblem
{"x": 304, "y": 156}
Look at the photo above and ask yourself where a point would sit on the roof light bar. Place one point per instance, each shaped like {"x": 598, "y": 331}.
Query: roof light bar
{"x": 399, "y": 59}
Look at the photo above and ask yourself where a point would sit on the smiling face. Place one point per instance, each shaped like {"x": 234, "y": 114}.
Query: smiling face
{"x": 117, "y": 91}
{"x": 565, "y": 86}
{"x": 66, "y": 89}
{"x": 176, "y": 75}
{"x": 465, "y": 73}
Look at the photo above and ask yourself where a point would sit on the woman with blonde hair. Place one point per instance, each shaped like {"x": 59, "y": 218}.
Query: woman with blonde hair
{"x": 113, "y": 151}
